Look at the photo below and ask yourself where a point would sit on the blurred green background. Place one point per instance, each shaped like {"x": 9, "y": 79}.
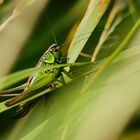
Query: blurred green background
{"x": 66, "y": 115}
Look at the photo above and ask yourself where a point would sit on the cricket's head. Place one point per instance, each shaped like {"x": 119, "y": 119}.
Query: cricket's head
{"x": 53, "y": 54}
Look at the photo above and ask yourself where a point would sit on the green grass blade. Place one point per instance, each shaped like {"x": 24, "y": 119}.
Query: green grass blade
{"x": 90, "y": 20}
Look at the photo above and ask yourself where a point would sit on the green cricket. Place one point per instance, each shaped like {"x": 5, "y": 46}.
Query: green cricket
{"x": 52, "y": 56}
{"x": 48, "y": 77}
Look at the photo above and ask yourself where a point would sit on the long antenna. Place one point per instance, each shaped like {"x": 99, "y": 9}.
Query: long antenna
{"x": 50, "y": 26}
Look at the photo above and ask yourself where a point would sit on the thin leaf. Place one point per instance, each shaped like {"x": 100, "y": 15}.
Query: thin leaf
{"x": 105, "y": 34}
{"x": 90, "y": 20}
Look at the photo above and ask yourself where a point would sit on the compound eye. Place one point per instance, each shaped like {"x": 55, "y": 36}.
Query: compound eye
{"x": 57, "y": 55}
{"x": 49, "y": 58}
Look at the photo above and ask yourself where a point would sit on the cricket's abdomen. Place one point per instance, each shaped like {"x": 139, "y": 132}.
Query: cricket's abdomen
{"x": 44, "y": 78}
